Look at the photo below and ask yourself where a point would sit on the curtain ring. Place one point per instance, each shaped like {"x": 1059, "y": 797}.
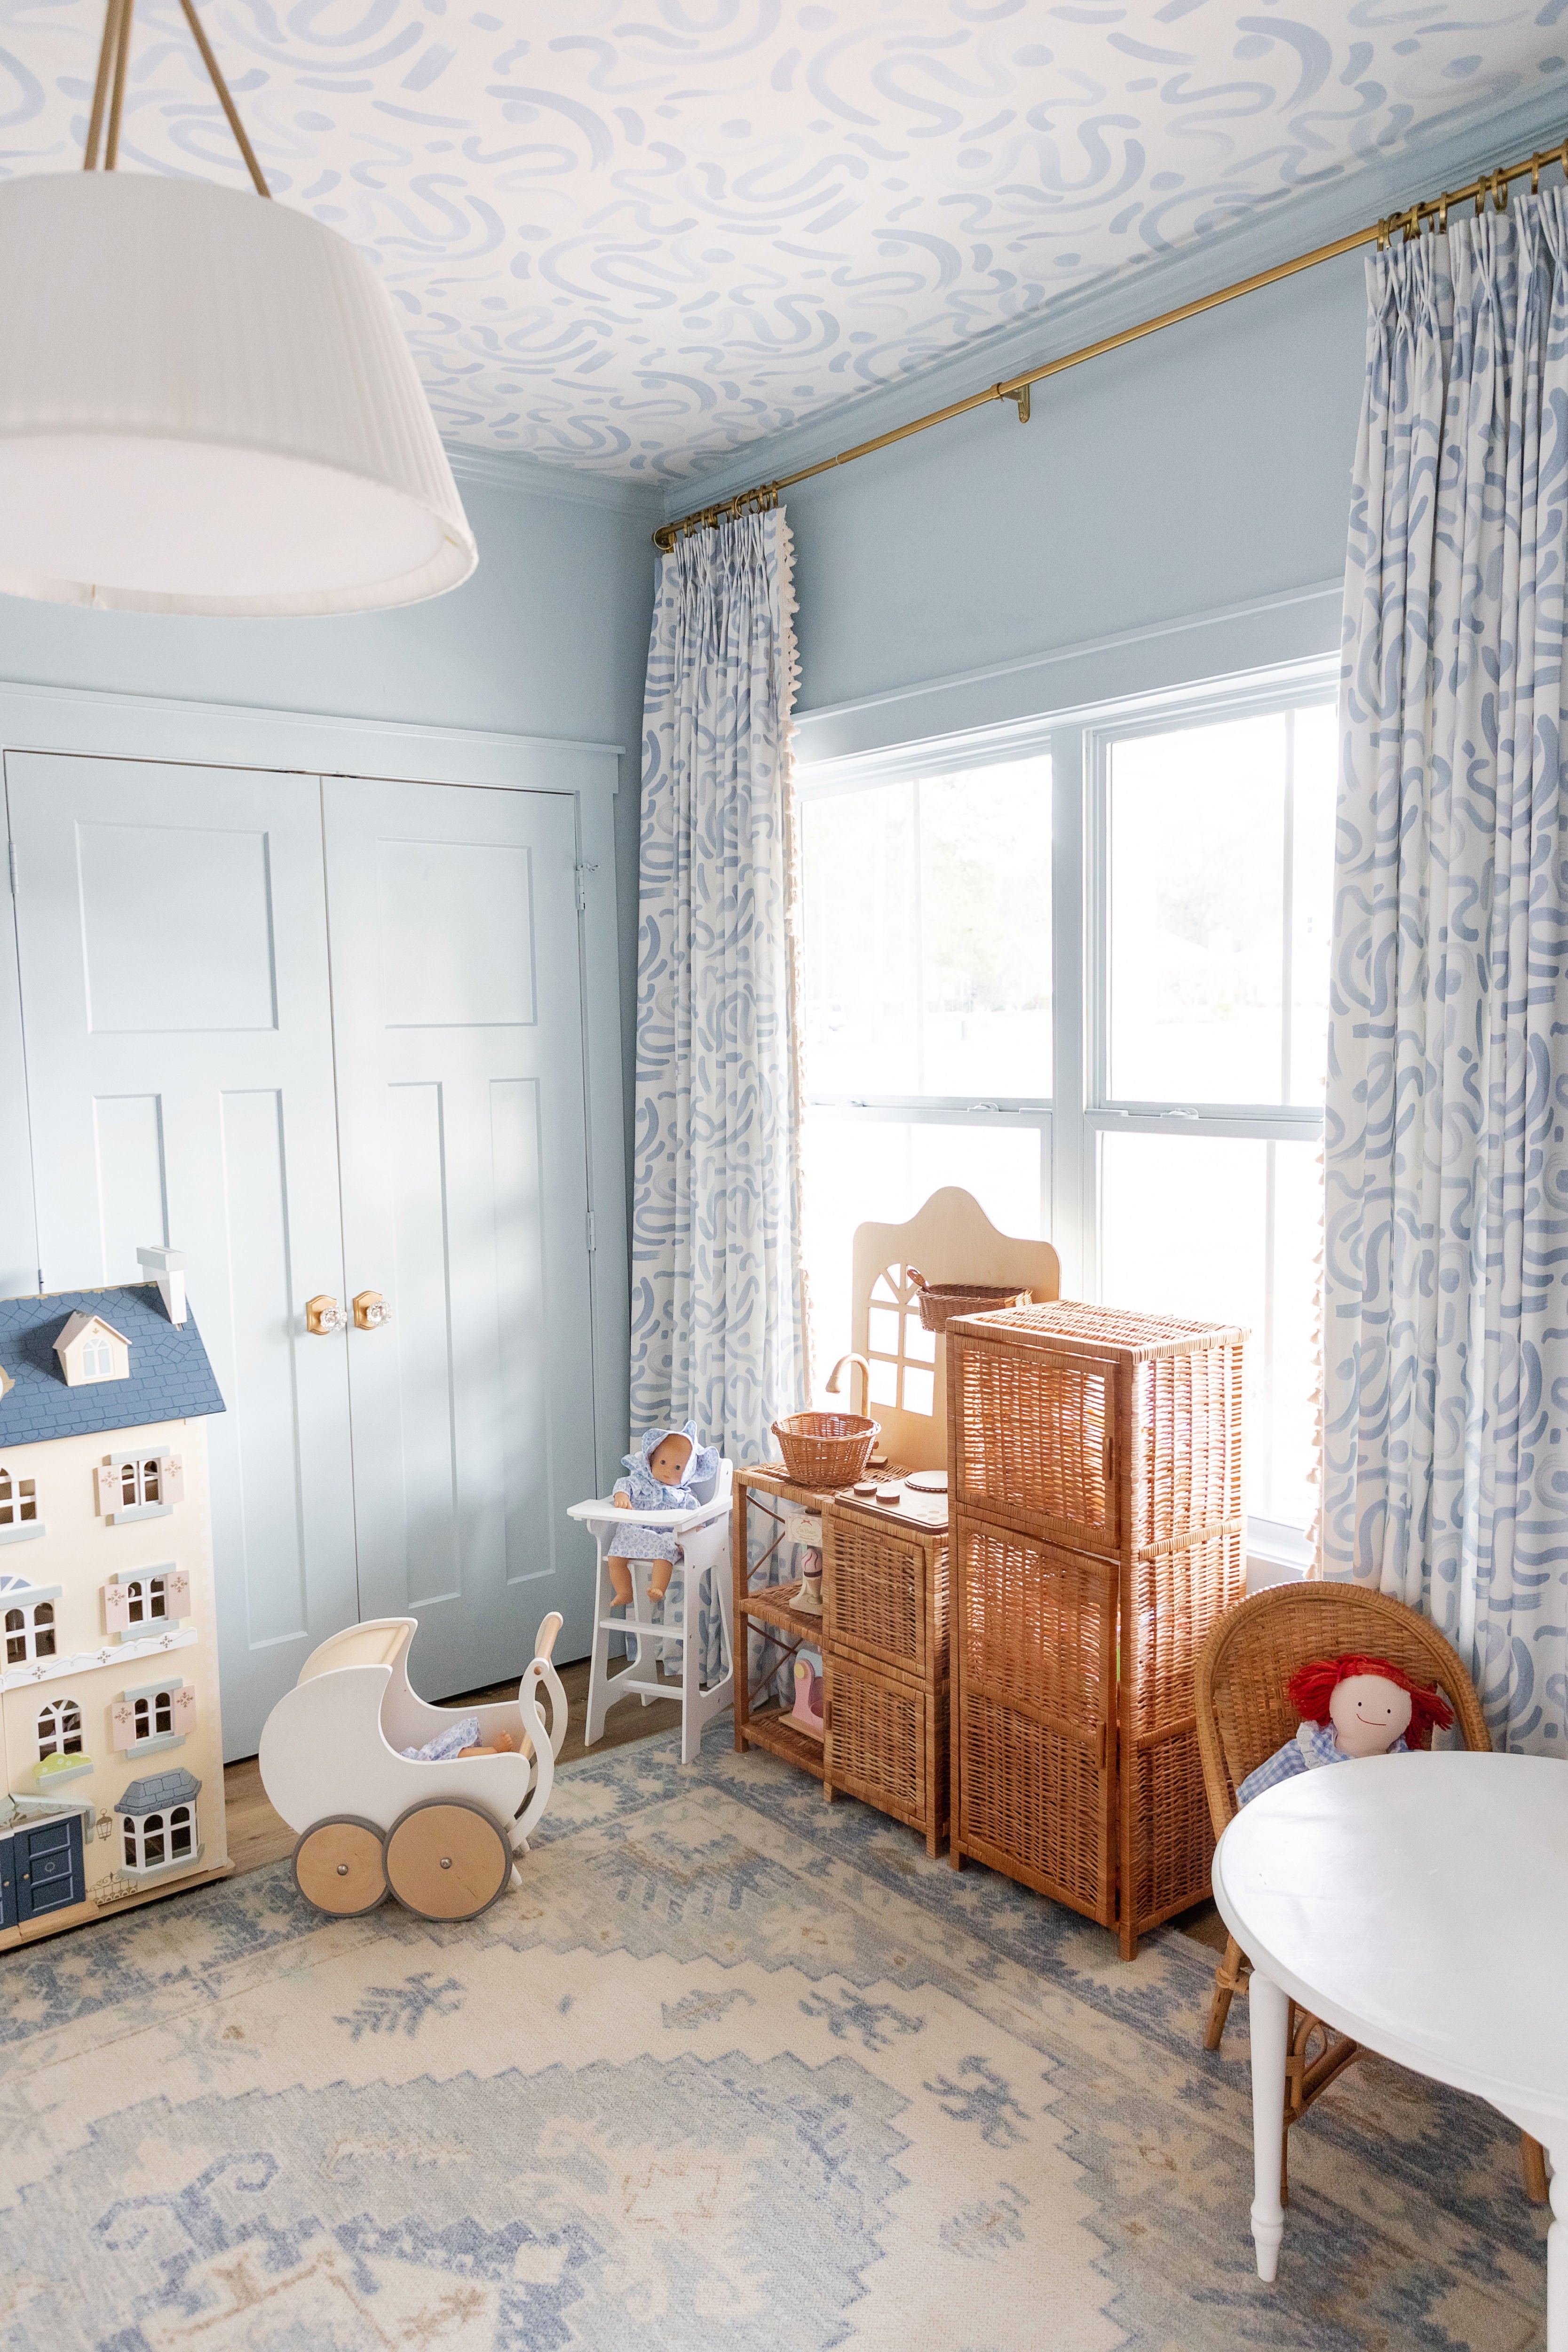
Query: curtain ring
{"x": 1383, "y": 236}
{"x": 1535, "y": 175}
{"x": 1412, "y": 224}
{"x": 1499, "y": 191}
{"x": 1442, "y": 215}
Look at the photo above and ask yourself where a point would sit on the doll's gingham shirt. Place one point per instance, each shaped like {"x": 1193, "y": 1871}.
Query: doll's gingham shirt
{"x": 1312, "y": 1746}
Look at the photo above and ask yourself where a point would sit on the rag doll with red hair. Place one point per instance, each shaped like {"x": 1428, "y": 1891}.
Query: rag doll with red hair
{"x": 1350, "y": 1705}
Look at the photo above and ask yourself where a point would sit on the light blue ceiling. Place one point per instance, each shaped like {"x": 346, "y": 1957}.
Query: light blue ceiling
{"x": 634, "y": 234}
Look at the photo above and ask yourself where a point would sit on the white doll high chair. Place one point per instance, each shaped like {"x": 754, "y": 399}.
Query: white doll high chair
{"x": 703, "y": 1534}
{"x": 440, "y": 1835}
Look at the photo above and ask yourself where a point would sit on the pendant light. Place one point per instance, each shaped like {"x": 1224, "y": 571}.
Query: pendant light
{"x": 206, "y": 401}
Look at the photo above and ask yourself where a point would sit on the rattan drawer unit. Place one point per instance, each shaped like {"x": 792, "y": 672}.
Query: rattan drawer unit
{"x": 886, "y": 1657}
{"x": 1096, "y": 1471}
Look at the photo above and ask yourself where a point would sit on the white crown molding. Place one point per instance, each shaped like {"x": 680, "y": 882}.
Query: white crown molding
{"x": 518, "y": 470}
{"x": 1444, "y": 156}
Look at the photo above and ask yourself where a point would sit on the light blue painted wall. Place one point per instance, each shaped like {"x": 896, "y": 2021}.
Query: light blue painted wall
{"x": 549, "y": 638}
{"x": 1206, "y": 469}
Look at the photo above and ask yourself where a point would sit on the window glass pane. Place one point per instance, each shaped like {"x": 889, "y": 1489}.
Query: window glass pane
{"x": 1228, "y": 1231}
{"x": 928, "y": 935}
{"x": 861, "y": 1171}
{"x": 1221, "y": 848}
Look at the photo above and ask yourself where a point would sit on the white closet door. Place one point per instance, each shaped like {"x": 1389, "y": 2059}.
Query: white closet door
{"x": 172, "y": 944}
{"x": 457, "y": 1003}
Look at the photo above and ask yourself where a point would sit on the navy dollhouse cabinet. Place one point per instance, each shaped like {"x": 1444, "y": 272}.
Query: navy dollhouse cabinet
{"x": 109, "y": 1693}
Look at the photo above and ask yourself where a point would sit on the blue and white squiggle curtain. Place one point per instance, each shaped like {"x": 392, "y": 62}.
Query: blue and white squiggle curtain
{"x": 1446, "y": 1270}
{"x": 717, "y": 1320}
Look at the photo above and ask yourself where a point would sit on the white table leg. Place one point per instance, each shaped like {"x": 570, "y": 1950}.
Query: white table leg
{"x": 1557, "y": 2253}
{"x": 1268, "y": 2023}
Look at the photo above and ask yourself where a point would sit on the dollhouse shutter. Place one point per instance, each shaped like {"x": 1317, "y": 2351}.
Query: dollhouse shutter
{"x": 171, "y": 1472}
{"x": 123, "y": 1723}
{"x": 116, "y": 1609}
{"x": 108, "y": 1493}
{"x": 177, "y": 1593}
{"x": 184, "y": 1709}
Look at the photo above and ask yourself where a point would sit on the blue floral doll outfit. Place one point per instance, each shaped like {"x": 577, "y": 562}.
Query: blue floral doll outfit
{"x": 643, "y": 1492}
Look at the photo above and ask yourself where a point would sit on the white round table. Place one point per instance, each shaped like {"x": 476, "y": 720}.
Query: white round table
{"x": 1419, "y": 1904}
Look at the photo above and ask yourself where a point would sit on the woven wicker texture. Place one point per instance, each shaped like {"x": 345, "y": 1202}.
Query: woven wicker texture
{"x": 1096, "y": 1476}
{"x": 1045, "y": 1433}
{"x": 887, "y": 1742}
{"x": 825, "y": 1449}
{"x": 1039, "y": 1629}
{"x": 1037, "y": 1806}
{"x": 1178, "y": 1592}
{"x": 886, "y": 1597}
{"x": 1243, "y": 1714}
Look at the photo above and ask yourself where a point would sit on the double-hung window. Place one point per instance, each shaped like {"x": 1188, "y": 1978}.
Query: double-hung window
{"x": 1082, "y": 970}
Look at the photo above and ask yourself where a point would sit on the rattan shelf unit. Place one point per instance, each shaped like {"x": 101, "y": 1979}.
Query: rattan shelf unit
{"x": 883, "y": 1640}
{"x": 1094, "y": 1462}
{"x": 886, "y": 1657}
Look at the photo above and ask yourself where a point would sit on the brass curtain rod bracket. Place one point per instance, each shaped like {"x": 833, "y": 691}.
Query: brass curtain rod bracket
{"x": 114, "y": 50}
{"x": 1494, "y": 184}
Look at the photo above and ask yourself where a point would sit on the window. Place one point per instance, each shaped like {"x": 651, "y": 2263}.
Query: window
{"x": 150, "y": 1840}
{"x": 1140, "y": 1079}
{"x": 29, "y": 1631}
{"x": 139, "y": 1483}
{"x": 98, "y": 1360}
{"x": 145, "y": 1601}
{"x": 59, "y": 1730}
{"x": 18, "y": 1500}
{"x": 153, "y": 1714}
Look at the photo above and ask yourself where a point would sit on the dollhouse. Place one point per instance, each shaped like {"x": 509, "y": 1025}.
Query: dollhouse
{"x": 109, "y": 1694}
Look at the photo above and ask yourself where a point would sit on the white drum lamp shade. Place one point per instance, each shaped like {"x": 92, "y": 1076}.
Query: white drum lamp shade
{"x": 207, "y": 405}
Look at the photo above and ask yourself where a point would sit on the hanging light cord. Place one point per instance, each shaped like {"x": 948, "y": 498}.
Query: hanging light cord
{"x": 109, "y": 90}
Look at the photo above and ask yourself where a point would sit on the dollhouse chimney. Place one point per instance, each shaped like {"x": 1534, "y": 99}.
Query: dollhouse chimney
{"x": 167, "y": 1267}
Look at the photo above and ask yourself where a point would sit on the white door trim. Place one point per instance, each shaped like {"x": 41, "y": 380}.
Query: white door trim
{"x": 92, "y": 724}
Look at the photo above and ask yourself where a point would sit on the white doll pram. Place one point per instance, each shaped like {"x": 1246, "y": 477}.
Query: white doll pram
{"x": 440, "y": 1836}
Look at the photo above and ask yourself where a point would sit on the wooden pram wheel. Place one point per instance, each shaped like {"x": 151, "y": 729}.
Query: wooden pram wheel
{"x": 341, "y": 1867}
{"x": 447, "y": 1860}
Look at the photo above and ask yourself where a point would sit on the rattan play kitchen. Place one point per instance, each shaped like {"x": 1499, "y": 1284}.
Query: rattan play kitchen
{"x": 1095, "y": 1472}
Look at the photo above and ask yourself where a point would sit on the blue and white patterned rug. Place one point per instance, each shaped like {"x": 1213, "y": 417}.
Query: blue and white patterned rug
{"x": 732, "y": 2068}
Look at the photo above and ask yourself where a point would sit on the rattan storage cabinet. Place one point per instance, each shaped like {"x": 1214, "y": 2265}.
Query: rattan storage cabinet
{"x": 1094, "y": 1468}
{"x": 886, "y": 1657}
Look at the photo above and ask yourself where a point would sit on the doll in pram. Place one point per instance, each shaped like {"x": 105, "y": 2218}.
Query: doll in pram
{"x": 441, "y": 1836}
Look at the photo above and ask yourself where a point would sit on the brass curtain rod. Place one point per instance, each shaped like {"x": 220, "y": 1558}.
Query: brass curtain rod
{"x": 1017, "y": 388}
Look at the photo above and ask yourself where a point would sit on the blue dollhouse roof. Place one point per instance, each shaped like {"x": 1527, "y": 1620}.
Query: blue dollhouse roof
{"x": 171, "y": 1378}
{"x": 157, "y": 1791}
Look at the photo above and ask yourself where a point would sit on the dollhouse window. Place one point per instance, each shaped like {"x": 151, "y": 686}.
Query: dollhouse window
{"x": 29, "y": 1633}
{"x": 154, "y": 1839}
{"x": 145, "y": 1601}
{"x": 139, "y": 1483}
{"x": 18, "y": 1500}
{"x": 153, "y": 1716}
{"x": 98, "y": 1361}
{"x": 59, "y": 1730}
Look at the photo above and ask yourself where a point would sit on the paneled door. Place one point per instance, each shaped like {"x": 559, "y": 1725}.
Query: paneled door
{"x": 457, "y": 998}
{"x": 172, "y": 927}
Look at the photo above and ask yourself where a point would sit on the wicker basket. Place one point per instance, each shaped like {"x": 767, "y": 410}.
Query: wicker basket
{"x": 825, "y": 1449}
{"x": 887, "y": 1742}
{"x": 939, "y": 1300}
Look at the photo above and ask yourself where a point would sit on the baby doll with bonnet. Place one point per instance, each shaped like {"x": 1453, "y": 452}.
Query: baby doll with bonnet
{"x": 667, "y": 1467}
{"x": 1350, "y": 1705}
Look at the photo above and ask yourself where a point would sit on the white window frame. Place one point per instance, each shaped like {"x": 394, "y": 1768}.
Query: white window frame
{"x": 134, "y": 1828}
{"x": 60, "y": 1724}
{"x": 1080, "y": 1109}
{"x": 28, "y": 1632}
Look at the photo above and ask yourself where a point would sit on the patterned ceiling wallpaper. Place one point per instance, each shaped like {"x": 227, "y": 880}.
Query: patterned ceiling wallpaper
{"x": 632, "y": 235}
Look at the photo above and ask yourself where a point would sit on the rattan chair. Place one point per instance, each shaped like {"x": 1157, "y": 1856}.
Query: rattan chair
{"x": 1244, "y": 1714}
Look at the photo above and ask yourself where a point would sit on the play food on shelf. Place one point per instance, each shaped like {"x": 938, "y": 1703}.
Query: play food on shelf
{"x": 938, "y": 1300}
{"x": 825, "y": 1449}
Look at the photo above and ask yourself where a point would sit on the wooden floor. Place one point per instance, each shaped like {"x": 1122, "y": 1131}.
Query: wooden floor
{"x": 258, "y": 1836}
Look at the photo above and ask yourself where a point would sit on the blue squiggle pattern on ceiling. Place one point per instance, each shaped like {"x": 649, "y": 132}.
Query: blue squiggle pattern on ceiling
{"x": 634, "y": 234}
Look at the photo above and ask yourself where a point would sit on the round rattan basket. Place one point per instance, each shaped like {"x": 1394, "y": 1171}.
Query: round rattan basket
{"x": 939, "y": 1301}
{"x": 825, "y": 1449}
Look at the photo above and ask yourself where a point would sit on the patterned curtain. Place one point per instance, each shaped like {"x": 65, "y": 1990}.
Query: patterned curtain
{"x": 718, "y": 1329}
{"x": 1446, "y": 1270}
